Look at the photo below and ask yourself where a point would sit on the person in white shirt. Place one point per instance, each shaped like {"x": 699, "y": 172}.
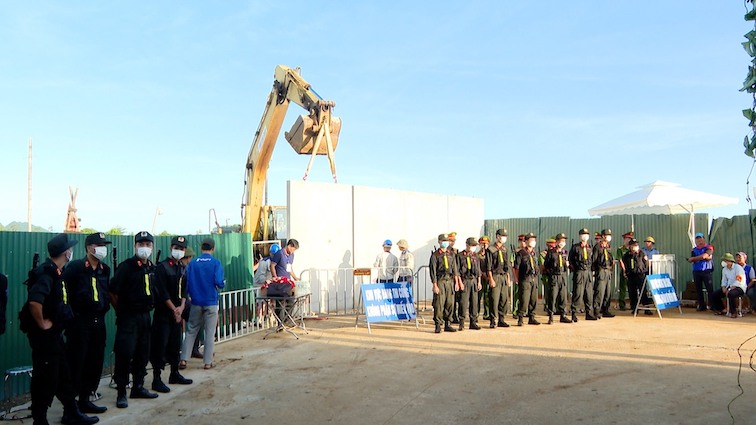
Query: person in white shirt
{"x": 406, "y": 262}
{"x": 733, "y": 286}
{"x": 386, "y": 263}
{"x": 262, "y": 273}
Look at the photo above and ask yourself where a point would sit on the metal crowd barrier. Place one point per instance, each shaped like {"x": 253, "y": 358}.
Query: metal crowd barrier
{"x": 237, "y": 316}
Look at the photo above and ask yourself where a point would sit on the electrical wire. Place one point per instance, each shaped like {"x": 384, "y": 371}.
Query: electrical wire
{"x": 740, "y": 368}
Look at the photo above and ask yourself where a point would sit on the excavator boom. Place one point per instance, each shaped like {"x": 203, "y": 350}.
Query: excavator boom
{"x": 313, "y": 134}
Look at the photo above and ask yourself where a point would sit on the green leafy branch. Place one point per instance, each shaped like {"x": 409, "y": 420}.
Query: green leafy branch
{"x": 749, "y": 85}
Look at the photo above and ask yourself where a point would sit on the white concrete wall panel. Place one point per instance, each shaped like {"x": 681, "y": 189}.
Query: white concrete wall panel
{"x": 320, "y": 218}
{"x": 342, "y": 226}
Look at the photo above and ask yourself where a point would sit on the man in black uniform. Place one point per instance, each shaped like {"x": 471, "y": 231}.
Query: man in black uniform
{"x": 165, "y": 346}
{"x": 603, "y": 268}
{"x": 457, "y": 281}
{"x": 580, "y": 258}
{"x": 635, "y": 269}
{"x": 484, "y": 261}
{"x": 443, "y": 273}
{"x": 499, "y": 281}
{"x": 132, "y": 292}
{"x": 469, "y": 272}
{"x": 43, "y": 318}
{"x": 87, "y": 280}
{"x": 526, "y": 276}
{"x": 556, "y": 265}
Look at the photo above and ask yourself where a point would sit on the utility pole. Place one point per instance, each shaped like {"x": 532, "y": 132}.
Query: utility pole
{"x": 29, "y": 190}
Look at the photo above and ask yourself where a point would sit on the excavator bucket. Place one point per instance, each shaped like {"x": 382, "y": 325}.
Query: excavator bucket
{"x": 302, "y": 136}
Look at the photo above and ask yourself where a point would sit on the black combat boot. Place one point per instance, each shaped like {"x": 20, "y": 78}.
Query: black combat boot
{"x": 176, "y": 378}
{"x": 139, "y": 391}
{"x": 157, "y": 383}
{"x": 448, "y": 327}
{"x": 121, "y": 401}
{"x": 551, "y": 319}
{"x": 438, "y": 328}
{"x": 532, "y": 321}
{"x": 86, "y": 406}
{"x": 474, "y": 326}
{"x": 72, "y": 415}
{"x": 461, "y": 325}
{"x": 574, "y": 317}
{"x": 519, "y": 320}
{"x": 564, "y": 319}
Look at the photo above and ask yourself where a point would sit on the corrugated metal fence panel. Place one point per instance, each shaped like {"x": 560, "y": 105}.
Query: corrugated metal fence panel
{"x": 732, "y": 235}
{"x": 550, "y": 226}
{"x": 670, "y": 231}
{"x": 234, "y": 250}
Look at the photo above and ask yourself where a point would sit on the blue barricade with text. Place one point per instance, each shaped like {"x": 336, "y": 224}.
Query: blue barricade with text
{"x": 663, "y": 291}
{"x": 388, "y": 301}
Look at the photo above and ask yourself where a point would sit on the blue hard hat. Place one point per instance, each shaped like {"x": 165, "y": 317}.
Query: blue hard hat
{"x": 274, "y": 248}
{"x": 387, "y": 242}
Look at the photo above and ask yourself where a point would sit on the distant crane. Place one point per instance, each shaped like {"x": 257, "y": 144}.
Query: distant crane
{"x": 72, "y": 221}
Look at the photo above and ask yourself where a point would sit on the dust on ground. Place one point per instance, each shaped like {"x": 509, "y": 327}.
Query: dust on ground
{"x": 621, "y": 370}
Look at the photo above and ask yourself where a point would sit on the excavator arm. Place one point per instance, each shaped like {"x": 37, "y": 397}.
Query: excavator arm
{"x": 315, "y": 133}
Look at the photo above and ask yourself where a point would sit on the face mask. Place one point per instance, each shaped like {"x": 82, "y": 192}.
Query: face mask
{"x": 472, "y": 248}
{"x": 636, "y": 249}
{"x": 724, "y": 264}
{"x": 608, "y": 238}
{"x": 584, "y": 238}
{"x": 177, "y": 254}
{"x": 532, "y": 244}
{"x": 562, "y": 244}
{"x": 143, "y": 252}
{"x": 69, "y": 255}
{"x": 100, "y": 252}
{"x": 502, "y": 239}
{"x": 445, "y": 244}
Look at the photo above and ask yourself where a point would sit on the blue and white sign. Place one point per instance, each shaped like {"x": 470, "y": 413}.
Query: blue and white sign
{"x": 663, "y": 291}
{"x": 388, "y": 301}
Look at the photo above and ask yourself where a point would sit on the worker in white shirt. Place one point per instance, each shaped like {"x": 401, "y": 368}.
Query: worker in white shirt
{"x": 386, "y": 263}
{"x": 733, "y": 286}
{"x": 406, "y": 262}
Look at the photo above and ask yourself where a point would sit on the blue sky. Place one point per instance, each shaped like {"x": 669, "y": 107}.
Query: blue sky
{"x": 541, "y": 108}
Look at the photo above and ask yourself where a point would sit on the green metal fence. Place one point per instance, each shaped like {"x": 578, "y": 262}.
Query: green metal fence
{"x": 669, "y": 231}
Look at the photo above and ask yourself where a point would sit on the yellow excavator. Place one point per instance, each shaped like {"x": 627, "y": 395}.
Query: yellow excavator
{"x": 316, "y": 133}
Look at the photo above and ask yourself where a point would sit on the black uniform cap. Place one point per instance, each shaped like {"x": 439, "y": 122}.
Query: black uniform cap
{"x": 143, "y": 236}
{"x": 179, "y": 241}
{"x": 584, "y": 231}
{"x": 96, "y": 239}
{"x": 59, "y": 244}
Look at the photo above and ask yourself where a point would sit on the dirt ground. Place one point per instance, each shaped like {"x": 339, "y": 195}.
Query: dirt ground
{"x": 622, "y": 370}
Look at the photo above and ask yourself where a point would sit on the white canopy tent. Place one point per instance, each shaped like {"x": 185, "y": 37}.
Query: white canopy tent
{"x": 662, "y": 197}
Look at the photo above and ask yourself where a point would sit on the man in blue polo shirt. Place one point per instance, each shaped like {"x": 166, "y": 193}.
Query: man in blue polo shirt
{"x": 281, "y": 263}
{"x": 703, "y": 268}
{"x": 204, "y": 277}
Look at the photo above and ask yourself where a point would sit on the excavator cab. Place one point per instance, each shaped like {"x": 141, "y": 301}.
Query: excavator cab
{"x": 304, "y": 133}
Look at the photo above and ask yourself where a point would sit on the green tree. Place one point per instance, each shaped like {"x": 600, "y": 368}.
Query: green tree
{"x": 749, "y": 85}
{"x": 87, "y": 231}
{"x": 118, "y": 230}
